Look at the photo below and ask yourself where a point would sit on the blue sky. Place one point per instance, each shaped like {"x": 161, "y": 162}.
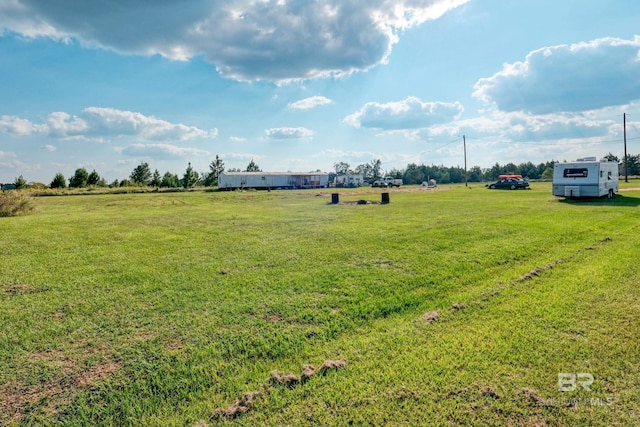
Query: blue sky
{"x": 299, "y": 85}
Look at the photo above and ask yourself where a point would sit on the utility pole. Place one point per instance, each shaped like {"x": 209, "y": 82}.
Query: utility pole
{"x": 626, "y": 160}
{"x": 464, "y": 143}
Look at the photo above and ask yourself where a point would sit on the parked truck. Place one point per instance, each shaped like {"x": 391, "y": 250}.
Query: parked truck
{"x": 387, "y": 182}
{"x": 585, "y": 177}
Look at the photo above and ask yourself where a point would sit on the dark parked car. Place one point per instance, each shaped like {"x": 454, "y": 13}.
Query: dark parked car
{"x": 510, "y": 184}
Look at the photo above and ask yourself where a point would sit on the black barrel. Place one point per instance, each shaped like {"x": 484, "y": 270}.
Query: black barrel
{"x": 334, "y": 198}
{"x": 385, "y": 198}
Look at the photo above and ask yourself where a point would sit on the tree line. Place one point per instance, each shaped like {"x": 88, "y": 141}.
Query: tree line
{"x": 141, "y": 176}
{"x": 417, "y": 174}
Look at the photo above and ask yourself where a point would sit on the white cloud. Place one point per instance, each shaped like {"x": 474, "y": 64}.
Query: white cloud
{"x": 578, "y": 77}
{"x": 288, "y": 133}
{"x": 237, "y": 139}
{"x": 96, "y": 122}
{"x": 309, "y": 103}
{"x": 410, "y": 113}
{"x": 49, "y": 147}
{"x": 246, "y": 39}
{"x": 161, "y": 151}
{"x": 62, "y": 125}
{"x": 109, "y": 121}
{"x": 20, "y": 127}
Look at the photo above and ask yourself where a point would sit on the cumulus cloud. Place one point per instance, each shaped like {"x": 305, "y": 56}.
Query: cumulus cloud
{"x": 20, "y": 127}
{"x": 288, "y": 133}
{"x": 49, "y": 147}
{"x": 522, "y": 127}
{"x": 248, "y": 40}
{"x": 309, "y": 103}
{"x": 410, "y": 113}
{"x": 96, "y": 122}
{"x": 578, "y": 77}
{"x": 161, "y": 151}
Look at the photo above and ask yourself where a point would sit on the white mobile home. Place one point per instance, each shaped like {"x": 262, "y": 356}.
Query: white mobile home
{"x": 272, "y": 180}
{"x": 585, "y": 178}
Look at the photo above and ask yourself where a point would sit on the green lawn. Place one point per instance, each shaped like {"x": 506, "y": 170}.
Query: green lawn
{"x": 165, "y": 308}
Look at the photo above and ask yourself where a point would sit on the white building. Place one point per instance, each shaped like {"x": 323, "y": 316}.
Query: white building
{"x": 272, "y": 180}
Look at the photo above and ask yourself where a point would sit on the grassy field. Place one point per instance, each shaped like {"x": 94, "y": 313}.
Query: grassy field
{"x": 459, "y": 306}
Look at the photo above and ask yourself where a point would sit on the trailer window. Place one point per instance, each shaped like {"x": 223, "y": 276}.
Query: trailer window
{"x": 576, "y": 173}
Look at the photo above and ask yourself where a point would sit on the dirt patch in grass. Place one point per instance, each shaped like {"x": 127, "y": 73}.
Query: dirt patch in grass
{"x": 17, "y": 399}
{"x": 361, "y": 202}
{"x": 404, "y": 394}
{"x": 275, "y": 318}
{"x": 174, "y": 346}
{"x": 21, "y": 288}
{"x": 458, "y": 306}
{"x": 96, "y": 373}
{"x": 532, "y": 396}
{"x": 430, "y": 316}
{"x": 276, "y": 378}
{"x": 289, "y": 380}
{"x": 239, "y": 407}
{"x": 16, "y": 288}
{"x": 488, "y": 391}
{"x": 534, "y": 273}
{"x": 600, "y": 243}
{"x": 329, "y": 365}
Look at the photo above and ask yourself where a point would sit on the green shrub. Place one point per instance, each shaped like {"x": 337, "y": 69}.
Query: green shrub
{"x": 14, "y": 203}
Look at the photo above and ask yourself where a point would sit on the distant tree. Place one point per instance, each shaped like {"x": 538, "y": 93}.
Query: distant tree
{"x": 79, "y": 178}
{"x": 395, "y": 173}
{"x": 115, "y": 184}
{"x": 253, "y": 167}
{"x": 610, "y": 157}
{"x": 20, "y": 183}
{"x": 456, "y": 174}
{"x": 376, "y": 169}
{"x": 341, "y": 168}
{"x": 156, "y": 179}
{"x": 170, "y": 180}
{"x": 58, "y": 181}
{"x": 366, "y": 170}
{"x": 141, "y": 174}
{"x": 632, "y": 164}
{"x": 93, "y": 178}
{"x": 234, "y": 170}
{"x": 190, "y": 178}
{"x": 547, "y": 174}
{"x": 126, "y": 183}
{"x": 414, "y": 174}
{"x": 216, "y": 167}
{"x": 475, "y": 174}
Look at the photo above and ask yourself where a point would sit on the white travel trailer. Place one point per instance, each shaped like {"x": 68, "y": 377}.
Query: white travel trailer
{"x": 585, "y": 178}
{"x": 348, "y": 180}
